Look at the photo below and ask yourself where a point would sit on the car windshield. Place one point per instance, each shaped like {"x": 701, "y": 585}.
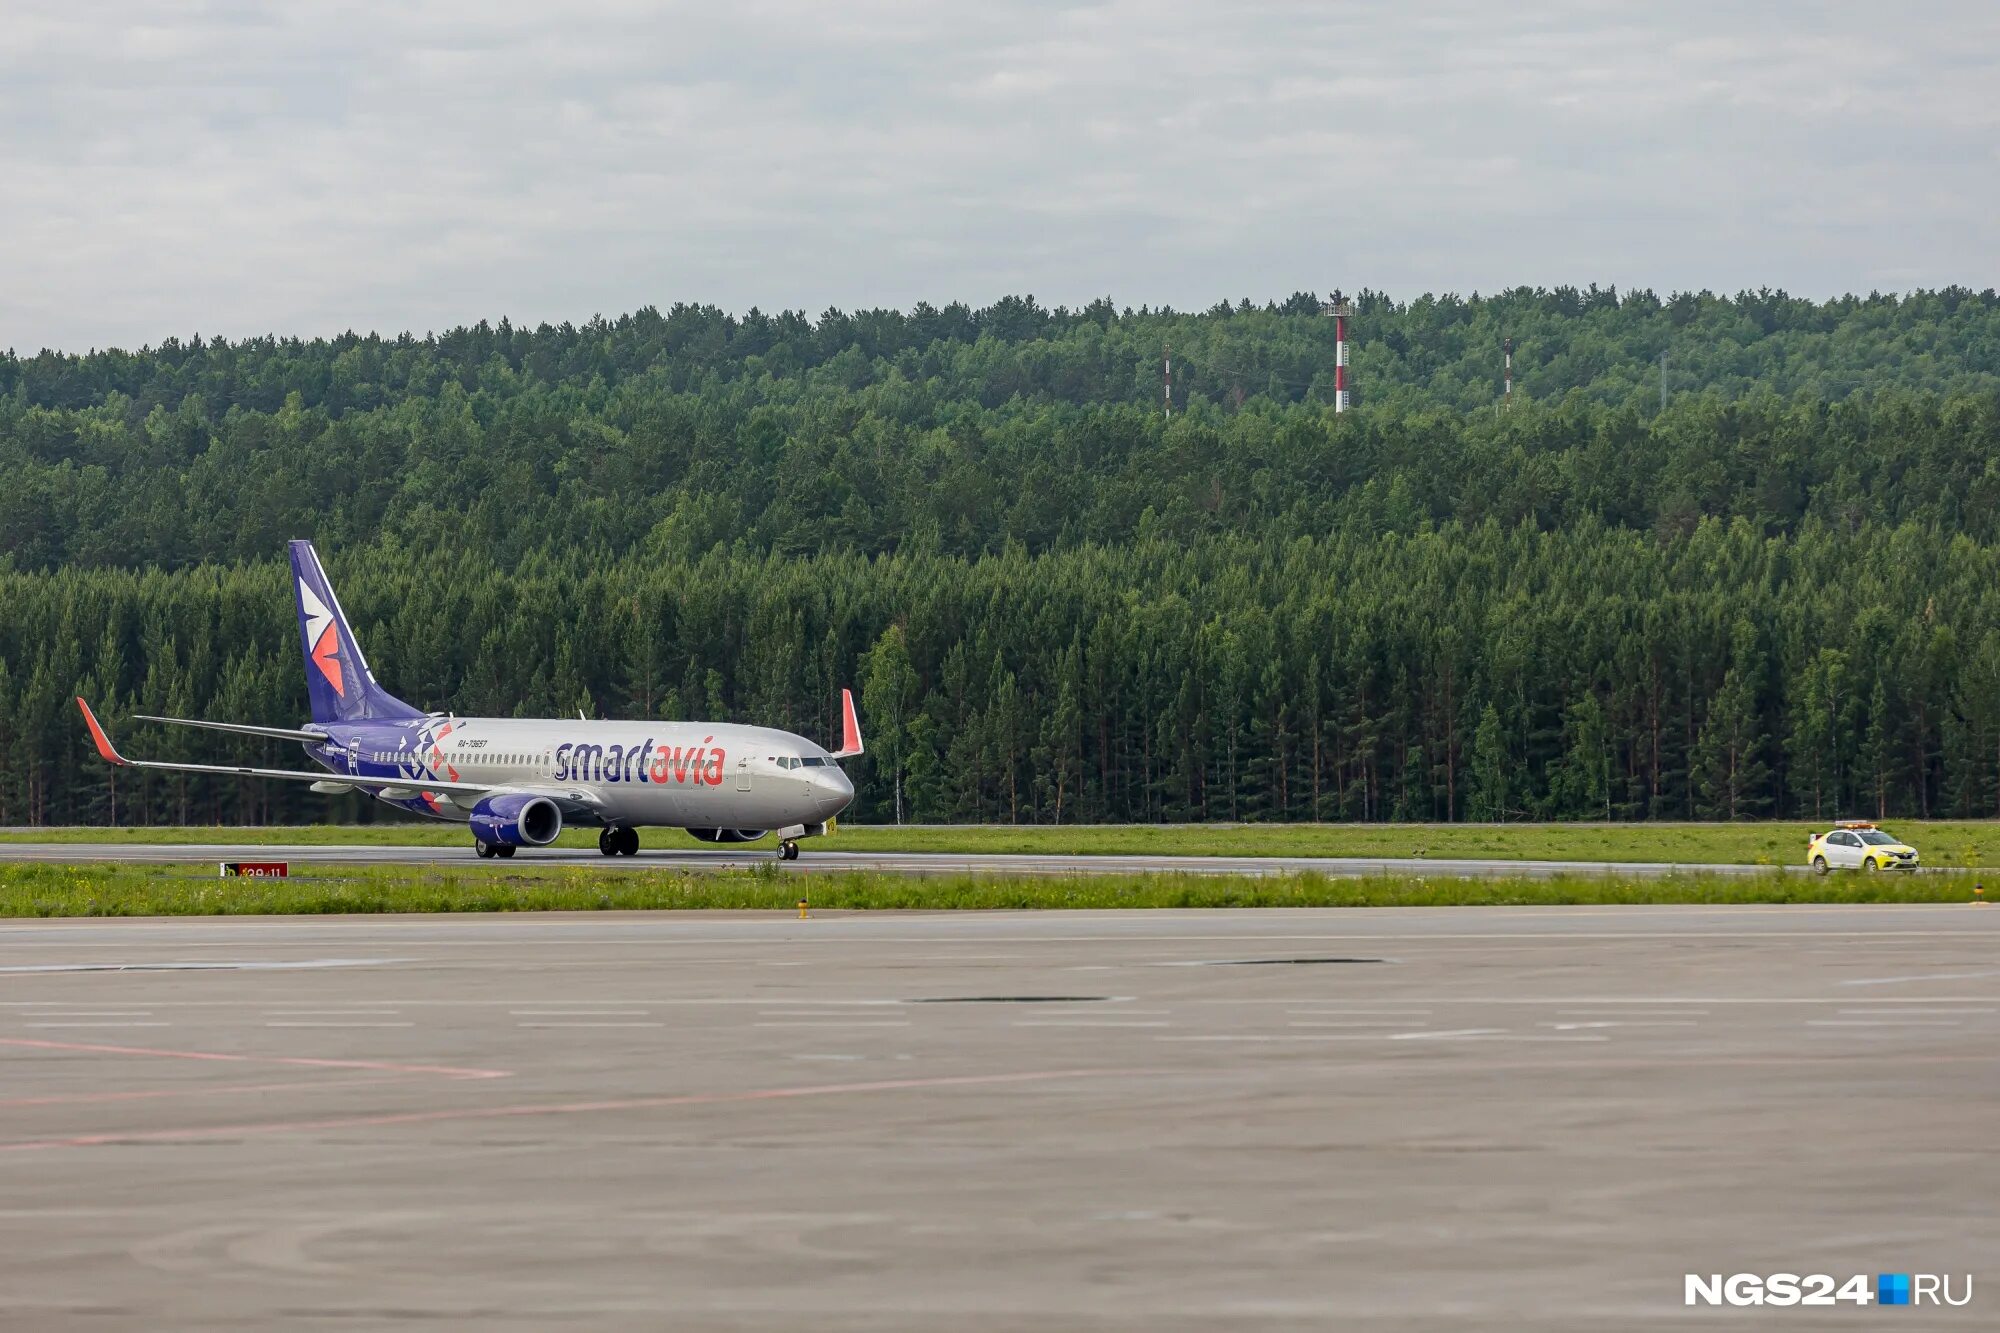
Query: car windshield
{"x": 1875, "y": 837}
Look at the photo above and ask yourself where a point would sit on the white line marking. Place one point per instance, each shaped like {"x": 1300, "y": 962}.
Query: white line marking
{"x": 1088, "y": 1023}
{"x": 329, "y": 1013}
{"x": 1927, "y": 976}
{"x": 1641, "y": 1001}
{"x": 576, "y": 1013}
{"x": 1314, "y": 1023}
{"x": 1883, "y": 1023}
{"x": 590, "y": 1025}
{"x": 1901, "y": 1012}
{"x": 1369, "y": 1036}
{"x": 1625, "y": 1013}
{"x": 1621, "y": 1023}
{"x": 91, "y": 1013}
{"x": 1290, "y": 1036}
{"x": 823, "y": 1057}
{"x": 219, "y": 966}
{"x": 317, "y": 1024}
{"x": 834, "y": 1023}
{"x": 97, "y": 1025}
{"x": 1447, "y": 1033}
{"x": 1180, "y": 1002}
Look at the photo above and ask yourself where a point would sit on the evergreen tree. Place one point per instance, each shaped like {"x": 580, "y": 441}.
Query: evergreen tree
{"x": 1730, "y": 772}
{"x": 1489, "y": 789}
{"x": 1581, "y": 781}
{"x": 889, "y": 693}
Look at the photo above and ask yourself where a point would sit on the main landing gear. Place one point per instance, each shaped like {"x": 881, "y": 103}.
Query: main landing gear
{"x": 788, "y": 850}
{"x": 489, "y": 850}
{"x": 619, "y": 842}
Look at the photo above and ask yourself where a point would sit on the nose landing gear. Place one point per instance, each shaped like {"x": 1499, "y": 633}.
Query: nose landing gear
{"x": 788, "y": 850}
{"x": 618, "y": 842}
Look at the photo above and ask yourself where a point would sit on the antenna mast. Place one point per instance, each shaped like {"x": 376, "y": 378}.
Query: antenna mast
{"x": 1338, "y": 310}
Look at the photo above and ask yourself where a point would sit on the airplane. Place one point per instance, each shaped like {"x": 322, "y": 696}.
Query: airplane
{"x": 518, "y": 781}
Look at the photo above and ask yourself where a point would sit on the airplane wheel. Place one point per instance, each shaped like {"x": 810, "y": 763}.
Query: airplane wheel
{"x": 485, "y": 850}
{"x": 505, "y": 850}
{"x": 628, "y": 842}
{"x": 607, "y": 841}
{"x": 788, "y": 851}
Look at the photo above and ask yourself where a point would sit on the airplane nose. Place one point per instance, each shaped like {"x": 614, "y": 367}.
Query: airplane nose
{"x": 831, "y": 792}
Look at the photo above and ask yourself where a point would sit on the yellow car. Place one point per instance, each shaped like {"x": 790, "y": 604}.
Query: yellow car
{"x": 1856, "y": 845}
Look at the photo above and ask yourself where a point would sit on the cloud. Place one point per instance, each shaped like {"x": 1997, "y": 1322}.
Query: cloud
{"x": 239, "y": 168}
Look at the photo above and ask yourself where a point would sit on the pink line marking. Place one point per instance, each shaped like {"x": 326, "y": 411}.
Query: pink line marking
{"x": 551, "y": 1108}
{"x": 447, "y": 1071}
{"x": 314, "y": 1085}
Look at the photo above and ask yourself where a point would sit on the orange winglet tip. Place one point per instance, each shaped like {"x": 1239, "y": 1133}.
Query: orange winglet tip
{"x": 850, "y": 727}
{"x": 104, "y": 746}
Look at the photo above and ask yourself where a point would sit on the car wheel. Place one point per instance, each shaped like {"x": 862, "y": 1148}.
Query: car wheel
{"x": 1871, "y": 865}
{"x": 1820, "y": 866}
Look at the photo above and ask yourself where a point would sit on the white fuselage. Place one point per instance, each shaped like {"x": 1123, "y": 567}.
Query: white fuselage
{"x": 677, "y": 774}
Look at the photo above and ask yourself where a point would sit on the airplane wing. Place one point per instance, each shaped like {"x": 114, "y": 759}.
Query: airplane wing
{"x": 410, "y": 785}
{"x": 850, "y": 728}
{"x": 237, "y": 728}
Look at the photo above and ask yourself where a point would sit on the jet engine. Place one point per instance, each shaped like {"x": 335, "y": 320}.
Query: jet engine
{"x": 516, "y": 819}
{"x": 728, "y": 834}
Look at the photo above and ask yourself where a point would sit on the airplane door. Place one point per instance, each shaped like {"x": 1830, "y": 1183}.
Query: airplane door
{"x": 743, "y": 774}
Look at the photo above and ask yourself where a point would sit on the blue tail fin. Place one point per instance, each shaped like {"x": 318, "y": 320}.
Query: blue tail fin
{"x": 337, "y": 674}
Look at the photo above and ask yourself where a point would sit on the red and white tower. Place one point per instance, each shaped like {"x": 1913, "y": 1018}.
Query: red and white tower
{"x": 1339, "y": 310}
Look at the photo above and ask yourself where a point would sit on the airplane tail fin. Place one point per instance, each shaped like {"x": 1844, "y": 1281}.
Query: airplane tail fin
{"x": 337, "y": 675}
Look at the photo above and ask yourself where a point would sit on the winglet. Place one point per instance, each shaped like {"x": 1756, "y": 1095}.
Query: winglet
{"x": 850, "y": 728}
{"x": 104, "y": 745}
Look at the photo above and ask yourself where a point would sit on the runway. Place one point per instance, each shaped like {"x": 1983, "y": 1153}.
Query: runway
{"x": 813, "y": 858}
{"x": 1403, "y": 1118}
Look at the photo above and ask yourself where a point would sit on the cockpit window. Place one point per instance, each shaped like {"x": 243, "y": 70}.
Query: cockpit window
{"x": 810, "y": 762}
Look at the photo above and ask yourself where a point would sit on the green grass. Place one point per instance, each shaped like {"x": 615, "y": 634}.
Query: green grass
{"x": 1962, "y": 843}
{"x": 42, "y": 890}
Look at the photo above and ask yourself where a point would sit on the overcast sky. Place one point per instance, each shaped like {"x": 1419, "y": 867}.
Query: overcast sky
{"x": 251, "y": 166}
